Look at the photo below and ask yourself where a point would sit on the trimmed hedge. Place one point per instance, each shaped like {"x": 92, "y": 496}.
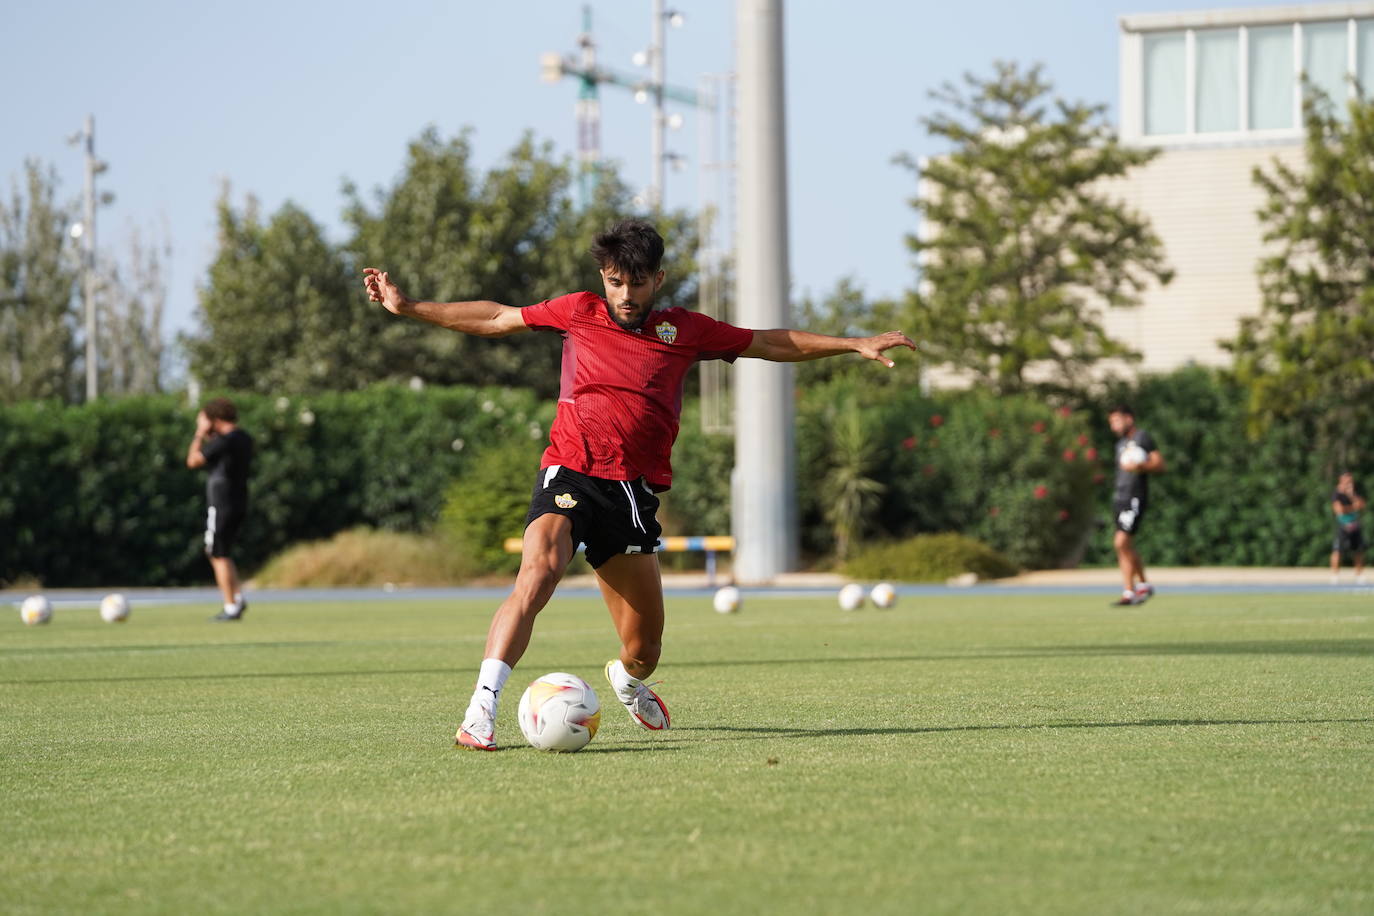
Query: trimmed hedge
{"x": 1012, "y": 472}
{"x": 929, "y": 558}
{"x": 100, "y": 493}
{"x": 1224, "y": 499}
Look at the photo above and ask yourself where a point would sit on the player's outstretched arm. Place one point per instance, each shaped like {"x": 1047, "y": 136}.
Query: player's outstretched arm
{"x": 482, "y": 318}
{"x": 784, "y": 345}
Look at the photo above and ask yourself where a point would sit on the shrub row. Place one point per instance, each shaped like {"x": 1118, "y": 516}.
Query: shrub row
{"x": 100, "y": 494}
{"x": 1228, "y": 500}
{"x": 929, "y": 558}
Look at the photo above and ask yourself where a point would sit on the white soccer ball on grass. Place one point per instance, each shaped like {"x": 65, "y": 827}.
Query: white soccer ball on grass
{"x": 35, "y": 610}
{"x": 727, "y": 600}
{"x": 883, "y": 595}
{"x": 114, "y": 608}
{"x": 559, "y": 712}
{"x": 852, "y": 597}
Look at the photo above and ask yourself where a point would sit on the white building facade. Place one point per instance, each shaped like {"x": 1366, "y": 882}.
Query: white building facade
{"x": 1219, "y": 92}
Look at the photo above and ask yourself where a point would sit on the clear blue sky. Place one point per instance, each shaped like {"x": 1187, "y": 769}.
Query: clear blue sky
{"x": 285, "y": 100}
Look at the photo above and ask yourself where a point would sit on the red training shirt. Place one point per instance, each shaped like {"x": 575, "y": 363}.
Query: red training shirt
{"x": 621, "y": 391}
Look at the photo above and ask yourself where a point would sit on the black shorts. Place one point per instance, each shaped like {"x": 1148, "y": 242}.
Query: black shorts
{"x": 610, "y": 516}
{"x": 222, "y": 523}
{"x": 1348, "y": 540}
{"x": 1128, "y": 515}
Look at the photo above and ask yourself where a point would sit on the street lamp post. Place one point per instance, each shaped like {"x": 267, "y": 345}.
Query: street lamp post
{"x": 84, "y": 232}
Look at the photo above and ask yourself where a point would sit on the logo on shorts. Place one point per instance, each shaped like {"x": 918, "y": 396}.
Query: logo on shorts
{"x": 564, "y": 501}
{"x": 666, "y": 332}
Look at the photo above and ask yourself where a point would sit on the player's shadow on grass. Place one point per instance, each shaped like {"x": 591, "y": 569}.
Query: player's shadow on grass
{"x": 763, "y": 732}
{"x": 1326, "y": 647}
{"x": 1354, "y": 647}
{"x": 656, "y": 748}
{"x": 1345, "y": 647}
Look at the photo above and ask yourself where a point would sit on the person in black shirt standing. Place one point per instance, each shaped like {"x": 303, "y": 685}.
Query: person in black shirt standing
{"x": 1137, "y": 456}
{"x": 1346, "y": 506}
{"x": 227, "y": 453}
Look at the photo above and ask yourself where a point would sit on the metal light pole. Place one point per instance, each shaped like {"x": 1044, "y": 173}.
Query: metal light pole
{"x": 764, "y": 483}
{"x": 87, "y": 236}
{"x": 656, "y": 129}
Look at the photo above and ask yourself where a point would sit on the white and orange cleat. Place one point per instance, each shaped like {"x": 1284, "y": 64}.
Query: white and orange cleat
{"x": 477, "y": 733}
{"x": 645, "y": 707}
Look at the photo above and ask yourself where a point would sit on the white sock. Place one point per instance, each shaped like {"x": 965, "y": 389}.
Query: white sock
{"x": 1143, "y": 586}
{"x": 621, "y": 680}
{"x": 491, "y": 678}
{"x": 1128, "y": 593}
{"x": 238, "y": 600}
{"x": 231, "y": 609}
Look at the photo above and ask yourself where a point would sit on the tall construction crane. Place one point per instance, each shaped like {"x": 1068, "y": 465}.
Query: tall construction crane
{"x": 590, "y": 76}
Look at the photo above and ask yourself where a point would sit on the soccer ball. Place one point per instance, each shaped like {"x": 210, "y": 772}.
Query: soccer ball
{"x": 35, "y": 610}
{"x": 852, "y": 597}
{"x": 883, "y": 595}
{"x": 114, "y": 608}
{"x": 559, "y": 712}
{"x": 727, "y": 600}
{"x": 1132, "y": 454}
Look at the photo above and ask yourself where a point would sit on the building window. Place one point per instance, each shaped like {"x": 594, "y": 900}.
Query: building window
{"x": 1271, "y": 77}
{"x": 1364, "y": 52}
{"x": 1207, "y": 81}
{"x": 1324, "y": 59}
{"x": 1217, "y": 88}
{"x": 1166, "y": 90}
{"x": 1365, "y": 55}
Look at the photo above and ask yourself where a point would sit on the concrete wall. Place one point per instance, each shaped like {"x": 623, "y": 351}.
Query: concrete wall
{"x": 1202, "y": 203}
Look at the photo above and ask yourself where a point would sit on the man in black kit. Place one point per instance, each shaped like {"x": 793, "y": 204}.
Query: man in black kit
{"x": 1346, "y": 506}
{"x": 227, "y": 452}
{"x": 1137, "y": 456}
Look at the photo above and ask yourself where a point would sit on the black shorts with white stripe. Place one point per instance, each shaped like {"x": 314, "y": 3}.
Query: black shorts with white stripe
{"x": 1129, "y": 514}
{"x": 222, "y": 523}
{"x": 610, "y": 516}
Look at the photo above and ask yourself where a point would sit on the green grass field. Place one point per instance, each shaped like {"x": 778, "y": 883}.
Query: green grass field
{"x": 972, "y": 753}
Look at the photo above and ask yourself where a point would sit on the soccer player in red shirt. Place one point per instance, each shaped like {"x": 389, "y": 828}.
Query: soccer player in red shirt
{"x": 624, "y": 363}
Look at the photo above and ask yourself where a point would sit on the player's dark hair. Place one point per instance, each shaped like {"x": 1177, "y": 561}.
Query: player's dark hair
{"x": 1122, "y": 409}
{"x": 221, "y": 409}
{"x": 632, "y": 247}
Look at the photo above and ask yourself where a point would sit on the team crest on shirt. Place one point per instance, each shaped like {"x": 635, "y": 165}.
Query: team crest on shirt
{"x": 666, "y": 332}
{"x": 565, "y": 501}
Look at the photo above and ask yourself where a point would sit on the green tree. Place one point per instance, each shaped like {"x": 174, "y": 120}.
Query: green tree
{"x": 846, "y": 312}
{"x": 851, "y": 494}
{"x": 1025, "y": 245}
{"x": 131, "y": 302}
{"x": 38, "y": 271}
{"x": 513, "y": 235}
{"x": 1309, "y": 355}
{"x": 282, "y": 310}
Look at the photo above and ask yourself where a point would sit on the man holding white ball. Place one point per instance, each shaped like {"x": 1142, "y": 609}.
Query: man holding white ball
{"x": 1137, "y": 457}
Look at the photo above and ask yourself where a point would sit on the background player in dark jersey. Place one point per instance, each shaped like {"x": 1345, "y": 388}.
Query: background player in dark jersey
{"x": 1346, "y": 506}
{"x": 226, "y": 452}
{"x": 1131, "y": 498}
{"x": 624, "y": 364}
